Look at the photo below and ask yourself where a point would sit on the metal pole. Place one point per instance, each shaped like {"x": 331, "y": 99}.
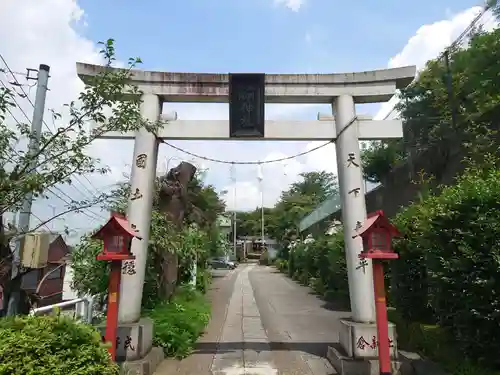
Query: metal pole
{"x": 233, "y": 180}
{"x": 260, "y": 178}
{"x": 25, "y": 213}
{"x": 53, "y": 215}
{"x": 262, "y": 214}
{"x": 449, "y": 85}
{"x": 234, "y": 223}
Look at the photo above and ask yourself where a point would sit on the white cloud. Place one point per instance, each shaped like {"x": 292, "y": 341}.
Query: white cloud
{"x": 293, "y": 5}
{"x": 45, "y": 32}
{"x": 430, "y": 41}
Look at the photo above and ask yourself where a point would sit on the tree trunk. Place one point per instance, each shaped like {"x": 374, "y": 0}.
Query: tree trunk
{"x": 170, "y": 274}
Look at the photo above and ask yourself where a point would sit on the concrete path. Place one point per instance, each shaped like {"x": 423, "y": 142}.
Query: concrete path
{"x": 262, "y": 324}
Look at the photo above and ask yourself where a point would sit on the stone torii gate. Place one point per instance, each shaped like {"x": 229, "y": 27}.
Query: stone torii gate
{"x": 342, "y": 91}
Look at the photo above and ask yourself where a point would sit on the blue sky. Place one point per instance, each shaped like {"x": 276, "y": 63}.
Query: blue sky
{"x": 261, "y": 36}
{"x": 319, "y": 36}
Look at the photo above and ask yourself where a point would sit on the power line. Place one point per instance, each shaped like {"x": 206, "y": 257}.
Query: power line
{"x": 94, "y": 216}
{"x": 465, "y": 33}
{"x": 18, "y": 84}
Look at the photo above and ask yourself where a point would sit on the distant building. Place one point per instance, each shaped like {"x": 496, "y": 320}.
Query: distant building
{"x": 51, "y": 289}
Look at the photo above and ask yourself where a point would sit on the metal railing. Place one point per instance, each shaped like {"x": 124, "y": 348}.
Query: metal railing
{"x": 84, "y": 308}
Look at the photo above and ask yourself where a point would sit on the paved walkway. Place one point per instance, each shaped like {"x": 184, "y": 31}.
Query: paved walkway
{"x": 262, "y": 324}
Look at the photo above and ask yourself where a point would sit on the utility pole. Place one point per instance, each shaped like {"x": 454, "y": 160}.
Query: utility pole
{"x": 234, "y": 223}
{"x": 449, "y": 86}
{"x": 260, "y": 177}
{"x": 33, "y": 147}
{"x": 52, "y": 225}
{"x": 233, "y": 180}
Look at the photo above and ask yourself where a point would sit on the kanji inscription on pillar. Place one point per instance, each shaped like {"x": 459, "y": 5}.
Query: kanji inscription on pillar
{"x": 128, "y": 343}
{"x": 246, "y": 105}
{"x": 363, "y": 344}
{"x": 136, "y": 195}
{"x": 128, "y": 267}
{"x": 358, "y": 226}
{"x": 355, "y": 191}
{"x": 351, "y": 160}
{"x": 141, "y": 160}
{"x": 363, "y": 263}
{"x": 366, "y": 343}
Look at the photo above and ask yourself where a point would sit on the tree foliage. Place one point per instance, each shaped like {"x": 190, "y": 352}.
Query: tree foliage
{"x": 193, "y": 243}
{"x": 426, "y": 110}
{"x": 107, "y": 102}
{"x": 283, "y": 219}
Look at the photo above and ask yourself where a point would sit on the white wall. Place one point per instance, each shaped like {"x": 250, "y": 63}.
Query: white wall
{"x": 68, "y": 293}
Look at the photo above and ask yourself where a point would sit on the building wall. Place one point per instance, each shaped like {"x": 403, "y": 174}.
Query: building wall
{"x": 400, "y": 189}
{"x": 68, "y": 292}
{"x": 52, "y": 287}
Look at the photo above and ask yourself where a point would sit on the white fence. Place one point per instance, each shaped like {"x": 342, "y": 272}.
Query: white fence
{"x": 83, "y": 309}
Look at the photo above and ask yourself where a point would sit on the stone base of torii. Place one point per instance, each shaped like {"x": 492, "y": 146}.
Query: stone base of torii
{"x": 358, "y": 337}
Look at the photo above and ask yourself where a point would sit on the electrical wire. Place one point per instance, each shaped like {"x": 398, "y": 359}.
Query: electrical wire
{"x": 18, "y": 84}
{"x": 91, "y": 215}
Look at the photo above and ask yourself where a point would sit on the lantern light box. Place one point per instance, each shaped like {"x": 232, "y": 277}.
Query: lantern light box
{"x": 117, "y": 235}
{"x": 377, "y": 234}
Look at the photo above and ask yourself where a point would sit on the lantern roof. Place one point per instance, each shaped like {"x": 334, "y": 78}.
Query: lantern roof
{"x": 116, "y": 222}
{"x": 377, "y": 218}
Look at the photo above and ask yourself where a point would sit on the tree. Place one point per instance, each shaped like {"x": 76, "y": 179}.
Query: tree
{"x": 426, "y": 109}
{"x": 110, "y": 103}
{"x": 206, "y": 200}
{"x": 192, "y": 242}
{"x": 318, "y": 185}
{"x": 283, "y": 219}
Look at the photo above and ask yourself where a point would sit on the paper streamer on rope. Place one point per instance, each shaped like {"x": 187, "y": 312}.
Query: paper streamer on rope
{"x": 260, "y": 175}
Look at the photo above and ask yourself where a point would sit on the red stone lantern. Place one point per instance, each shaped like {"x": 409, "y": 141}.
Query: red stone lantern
{"x": 117, "y": 235}
{"x": 377, "y": 234}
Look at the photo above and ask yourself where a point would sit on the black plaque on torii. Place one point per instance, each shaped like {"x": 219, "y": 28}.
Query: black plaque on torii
{"x": 246, "y": 105}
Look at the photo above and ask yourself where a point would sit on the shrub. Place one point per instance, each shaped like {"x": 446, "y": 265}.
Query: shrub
{"x": 48, "y": 345}
{"x": 178, "y": 324}
{"x": 321, "y": 265}
{"x": 203, "y": 280}
{"x": 450, "y": 264}
{"x": 281, "y": 264}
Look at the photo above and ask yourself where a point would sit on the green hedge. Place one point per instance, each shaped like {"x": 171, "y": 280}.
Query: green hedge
{"x": 321, "y": 265}
{"x": 49, "y": 345}
{"x": 449, "y": 270}
{"x": 178, "y": 324}
{"x": 446, "y": 284}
